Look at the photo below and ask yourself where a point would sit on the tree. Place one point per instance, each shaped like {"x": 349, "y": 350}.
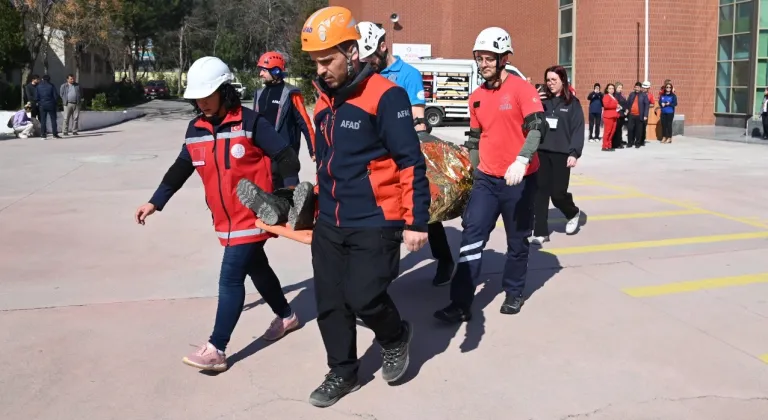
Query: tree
{"x": 301, "y": 64}
{"x": 35, "y": 16}
{"x": 13, "y": 50}
{"x": 85, "y": 23}
{"x": 140, "y": 20}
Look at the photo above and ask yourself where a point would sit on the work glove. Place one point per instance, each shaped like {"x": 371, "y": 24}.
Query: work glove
{"x": 516, "y": 172}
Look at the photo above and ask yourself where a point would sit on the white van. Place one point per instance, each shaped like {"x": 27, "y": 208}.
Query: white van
{"x": 447, "y": 85}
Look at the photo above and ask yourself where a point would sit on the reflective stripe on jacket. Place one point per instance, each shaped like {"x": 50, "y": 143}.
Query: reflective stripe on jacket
{"x": 222, "y": 158}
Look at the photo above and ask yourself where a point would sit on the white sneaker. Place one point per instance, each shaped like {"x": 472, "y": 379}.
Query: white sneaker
{"x": 573, "y": 224}
{"x": 538, "y": 240}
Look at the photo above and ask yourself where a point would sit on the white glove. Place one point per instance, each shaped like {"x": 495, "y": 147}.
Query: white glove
{"x": 516, "y": 172}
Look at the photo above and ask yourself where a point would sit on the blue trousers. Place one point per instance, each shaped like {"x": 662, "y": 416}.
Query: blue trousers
{"x": 490, "y": 198}
{"x": 239, "y": 261}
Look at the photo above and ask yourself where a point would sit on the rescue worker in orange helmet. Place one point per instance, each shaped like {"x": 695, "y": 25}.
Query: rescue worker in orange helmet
{"x": 507, "y": 117}
{"x": 225, "y": 143}
{"x": 373, "y": 193}
{"x": 283, "y": 105}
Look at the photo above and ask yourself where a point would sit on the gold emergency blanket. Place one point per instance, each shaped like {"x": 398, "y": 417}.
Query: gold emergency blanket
{"x": 450, "y": 178}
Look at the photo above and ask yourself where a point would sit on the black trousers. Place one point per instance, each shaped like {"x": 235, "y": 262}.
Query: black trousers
{"x": 438, "y": 242}
{"x": 765, "y": 125}
{"x": 353, "y": 269}
{"x": 553, "y": 180}
{"x": 635, "y": 130}
{"x": 617, "y": 140}
{"x": 44, "y": 114}
{"x": 666, "y": 125}
{"x": 594, "y": 125}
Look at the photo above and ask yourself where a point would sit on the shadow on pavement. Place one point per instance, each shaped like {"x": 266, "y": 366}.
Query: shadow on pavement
{"x": 417, "y": 301}
{"x": 557, "y": 220}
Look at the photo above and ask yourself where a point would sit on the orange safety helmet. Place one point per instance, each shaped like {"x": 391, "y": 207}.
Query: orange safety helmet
{"x": 327, "y": 28}
{"x": 271, "y": 60}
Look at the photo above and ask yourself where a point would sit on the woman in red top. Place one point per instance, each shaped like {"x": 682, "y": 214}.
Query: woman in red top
{"x": 610, "y": 115}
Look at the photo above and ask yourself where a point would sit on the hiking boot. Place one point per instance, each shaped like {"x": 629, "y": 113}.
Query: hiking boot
{"x": 443, "y": 273}
{"x": 512, "y": 305}
{"x": 454, "y": 314}
{"x": 332, "y": 389}
{"x": 395, "y": 360}
{"x": 302, "y": 214}
{"x": 207, "y": 357}
{"x": 271, "y": 209}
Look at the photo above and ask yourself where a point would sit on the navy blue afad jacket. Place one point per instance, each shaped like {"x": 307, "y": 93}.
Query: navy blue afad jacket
{"x": 370, "y": 168}
{"x": 47, "y": 96}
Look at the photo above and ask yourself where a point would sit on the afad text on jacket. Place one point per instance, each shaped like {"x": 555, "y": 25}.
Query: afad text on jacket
{"x": 370, "y": 169}
{"x": 222, "y": 158}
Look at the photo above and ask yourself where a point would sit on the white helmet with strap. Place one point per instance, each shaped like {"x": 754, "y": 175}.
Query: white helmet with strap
{"x": 370, "y": 36}
{"x": 495, "y": 40}
{"x": 205, "y": 75}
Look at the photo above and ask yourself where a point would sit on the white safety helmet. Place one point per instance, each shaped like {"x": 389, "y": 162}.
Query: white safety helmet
{"x": 205, "y": 75}
{"x": 495, "y": 40}
{"x": 370, "y": 36}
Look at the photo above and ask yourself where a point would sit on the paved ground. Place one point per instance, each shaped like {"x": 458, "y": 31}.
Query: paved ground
{"x": 656, "y": 309}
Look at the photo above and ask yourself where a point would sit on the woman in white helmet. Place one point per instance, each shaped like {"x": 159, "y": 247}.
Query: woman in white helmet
{"x": 227, "y": 143}
{"x": 507, "y": 120}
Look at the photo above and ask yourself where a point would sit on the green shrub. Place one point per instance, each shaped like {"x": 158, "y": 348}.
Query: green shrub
{"x": 99, "y": 102}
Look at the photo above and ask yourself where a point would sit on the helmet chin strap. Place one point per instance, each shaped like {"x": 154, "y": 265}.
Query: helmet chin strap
{"x": 351, "y": 71}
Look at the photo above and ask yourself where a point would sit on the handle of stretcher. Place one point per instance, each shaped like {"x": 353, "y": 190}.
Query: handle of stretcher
{"x": 303, "y": 236}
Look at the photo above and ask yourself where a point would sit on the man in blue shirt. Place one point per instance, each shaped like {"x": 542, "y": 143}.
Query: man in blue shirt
{"x": 373, "y": 50}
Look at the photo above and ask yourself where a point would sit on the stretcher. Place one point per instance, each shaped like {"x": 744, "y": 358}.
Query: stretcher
{"x": 449, "y": 172}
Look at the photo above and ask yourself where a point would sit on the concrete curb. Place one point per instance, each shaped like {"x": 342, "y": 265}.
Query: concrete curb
{"x": 89, "y": 120}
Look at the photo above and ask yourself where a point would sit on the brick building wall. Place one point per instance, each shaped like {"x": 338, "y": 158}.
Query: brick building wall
{"x": 683, "y": 47}
{"x": 683, "y": 39}
{"x": 451, "y": 26}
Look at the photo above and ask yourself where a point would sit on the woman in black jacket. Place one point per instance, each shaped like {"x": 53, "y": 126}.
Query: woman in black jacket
{"x": 618, "y": 142}
{"x": 558, "y": 152}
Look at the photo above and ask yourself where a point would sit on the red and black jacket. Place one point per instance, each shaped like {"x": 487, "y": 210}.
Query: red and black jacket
{"x": 370, "y": 169}
{"x": 241, "y": 146}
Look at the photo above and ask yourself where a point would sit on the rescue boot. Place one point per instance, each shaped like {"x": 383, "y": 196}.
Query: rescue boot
{"x": 302, "y": 214}
{"x": 271, "y": 209}
{"x": 512, "y": 305}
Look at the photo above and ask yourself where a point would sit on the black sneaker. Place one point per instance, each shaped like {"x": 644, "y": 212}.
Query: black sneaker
{"x": 512, "y": 305}
{"x": 271, "y": 209}
{"x": 454, "y": 314}
{"x": 443, "y": 272}
{"x": 302, "y": 214}
{"x": 331, "y": 390}
{"x": 396, "y": 360}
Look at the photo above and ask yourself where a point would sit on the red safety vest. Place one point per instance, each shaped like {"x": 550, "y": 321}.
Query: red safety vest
{"x": 222, "y": 159}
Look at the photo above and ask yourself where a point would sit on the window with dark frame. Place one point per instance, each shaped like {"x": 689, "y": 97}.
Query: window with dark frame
{"x": 565, "y": 39}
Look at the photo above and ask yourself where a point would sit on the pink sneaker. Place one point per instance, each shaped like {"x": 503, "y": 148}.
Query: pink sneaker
{"x": 281, "y": 326}
{"x": 207, "y": 357}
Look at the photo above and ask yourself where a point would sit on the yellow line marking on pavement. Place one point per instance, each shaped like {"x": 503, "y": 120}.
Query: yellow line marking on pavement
{"x": 682, "y": 204}
{"x": 582, "y": 183}
{"x": 764, "y": 358}
{"x": 607, "y": 197}
{"x": 625, "y": 216}
{"x": 695, "y": 285}
{"x": 621, "y": 246}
